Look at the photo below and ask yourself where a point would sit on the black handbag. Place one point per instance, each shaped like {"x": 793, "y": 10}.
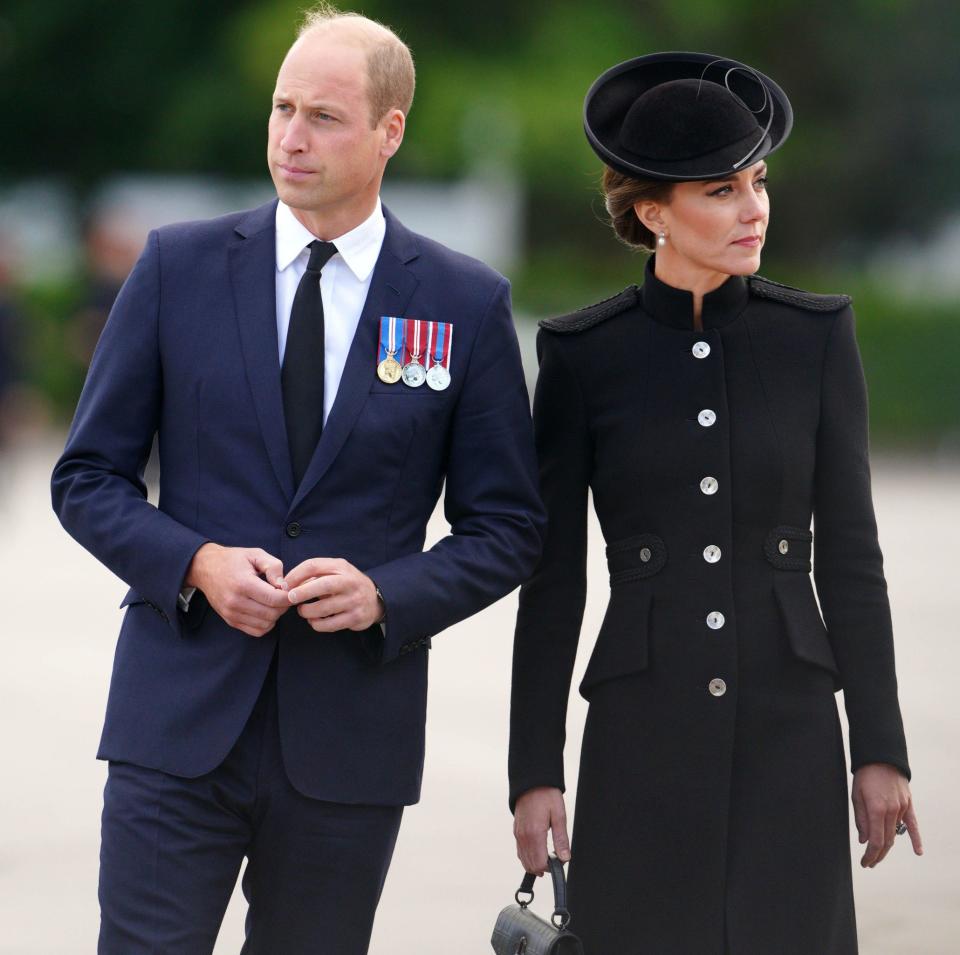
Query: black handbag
{"x": 520, "y": 932}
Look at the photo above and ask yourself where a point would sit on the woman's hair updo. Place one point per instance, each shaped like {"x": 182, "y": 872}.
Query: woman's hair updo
{"x": 620, "y": 194}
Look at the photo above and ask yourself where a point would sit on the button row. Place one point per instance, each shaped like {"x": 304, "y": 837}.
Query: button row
{"x": 711, "y": 553}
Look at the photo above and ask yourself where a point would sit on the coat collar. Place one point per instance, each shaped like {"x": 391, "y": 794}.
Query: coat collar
{"x": 674, "y": 307}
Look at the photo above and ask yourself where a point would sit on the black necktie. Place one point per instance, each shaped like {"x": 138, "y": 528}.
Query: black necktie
{"x": 302, "y": 374}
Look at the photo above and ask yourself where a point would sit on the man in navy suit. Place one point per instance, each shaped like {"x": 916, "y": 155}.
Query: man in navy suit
{"x": 315, "y": 372}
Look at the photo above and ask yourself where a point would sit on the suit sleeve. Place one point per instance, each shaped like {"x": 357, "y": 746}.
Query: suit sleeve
{"x": 491, "y": 500}
{"x": 552, "y": 601}
{"x": 97, "y": 486}
{"x": 848, "y": 563}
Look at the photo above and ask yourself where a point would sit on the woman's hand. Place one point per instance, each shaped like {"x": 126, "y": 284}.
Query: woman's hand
{"x": 881, "y": 799}
{"x": 538, "y": 811}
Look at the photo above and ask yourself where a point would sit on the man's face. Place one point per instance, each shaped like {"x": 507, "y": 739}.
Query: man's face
{"x": 324, "y": 155}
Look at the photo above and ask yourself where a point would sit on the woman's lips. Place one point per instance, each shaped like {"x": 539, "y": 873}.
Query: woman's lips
{"x": 748, "y": 242}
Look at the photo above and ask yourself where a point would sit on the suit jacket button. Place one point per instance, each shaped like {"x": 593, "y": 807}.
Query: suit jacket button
{"x": 783, "y": 547}
{"x": 717, "y": 687}
{"x": 645, "y": 554}
{"x": 294, "y": 529}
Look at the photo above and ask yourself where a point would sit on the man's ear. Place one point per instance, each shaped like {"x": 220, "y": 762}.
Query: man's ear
{"x": 393, "y": 124}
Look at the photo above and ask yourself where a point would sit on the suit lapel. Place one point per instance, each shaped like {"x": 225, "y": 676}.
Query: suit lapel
{"x": 253, "y": 261}
{"x": 391, "y": 287}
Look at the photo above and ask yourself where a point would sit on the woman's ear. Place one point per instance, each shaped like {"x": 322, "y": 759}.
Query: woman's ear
{"x": 650, "y": 215}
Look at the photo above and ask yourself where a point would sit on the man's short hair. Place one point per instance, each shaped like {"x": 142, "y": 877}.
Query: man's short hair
{"x": 390, "y": 72}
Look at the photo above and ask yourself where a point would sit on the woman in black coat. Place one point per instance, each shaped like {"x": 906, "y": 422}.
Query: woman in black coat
{"x": 712, "y": 413}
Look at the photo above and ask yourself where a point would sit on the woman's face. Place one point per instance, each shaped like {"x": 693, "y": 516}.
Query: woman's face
{"x": 713, "y": 226}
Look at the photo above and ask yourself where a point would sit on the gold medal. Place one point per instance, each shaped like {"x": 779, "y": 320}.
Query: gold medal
{"x": 389, "y": 370}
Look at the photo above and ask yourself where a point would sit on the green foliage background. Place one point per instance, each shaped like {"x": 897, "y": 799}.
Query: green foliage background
{"x": 104, "y": 86}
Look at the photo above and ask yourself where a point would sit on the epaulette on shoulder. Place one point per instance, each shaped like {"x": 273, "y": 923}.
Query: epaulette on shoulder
{"x": 811, "y": 301}
{"x": 584, "y": 318}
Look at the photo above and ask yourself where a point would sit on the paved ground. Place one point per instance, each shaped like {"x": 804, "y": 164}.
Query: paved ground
{"x": 454, "y": 867}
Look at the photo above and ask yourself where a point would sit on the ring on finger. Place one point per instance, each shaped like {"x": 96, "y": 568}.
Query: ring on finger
{"x": 901, "y": 828}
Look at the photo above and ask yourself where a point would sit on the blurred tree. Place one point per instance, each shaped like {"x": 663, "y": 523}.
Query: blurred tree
{"x": 90, "y": 89}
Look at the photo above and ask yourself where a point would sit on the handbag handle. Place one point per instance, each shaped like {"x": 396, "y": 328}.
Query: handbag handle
{"x": 561, "y": 915}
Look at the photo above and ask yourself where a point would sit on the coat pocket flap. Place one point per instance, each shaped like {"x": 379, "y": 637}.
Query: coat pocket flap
{"x": 622, "y": 645}
{"x": 802, "y": 621}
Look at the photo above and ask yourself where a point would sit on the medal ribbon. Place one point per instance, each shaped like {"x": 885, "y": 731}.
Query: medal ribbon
{"x": 412, "y": 334}
{"x": 444, "y": 343}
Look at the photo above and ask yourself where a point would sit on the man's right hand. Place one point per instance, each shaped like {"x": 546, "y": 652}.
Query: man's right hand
{"x": 230, "y": 578}
{"x": 538, "y": 811}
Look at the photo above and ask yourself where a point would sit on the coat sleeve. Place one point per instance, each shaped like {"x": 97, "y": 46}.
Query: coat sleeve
{"x": 848, "y": 564}
{"x": 97, "y": 486}
{"x": 552, "y": 601}
{"x": 490, "y": 500}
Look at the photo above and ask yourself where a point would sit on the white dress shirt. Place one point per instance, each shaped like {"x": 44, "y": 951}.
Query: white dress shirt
{"x": 344, "y": 284}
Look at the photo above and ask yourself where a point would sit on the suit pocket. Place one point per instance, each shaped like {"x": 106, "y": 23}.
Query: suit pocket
{"x": 622, "y": 646}
{"x": 804, "y": 626}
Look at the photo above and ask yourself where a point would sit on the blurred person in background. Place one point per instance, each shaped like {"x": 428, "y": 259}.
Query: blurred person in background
{"x": 713, "y": 413}
{"x": 112, "y": 241}
{"x": 316, "y": 374}
{"x": 11, "y": 331}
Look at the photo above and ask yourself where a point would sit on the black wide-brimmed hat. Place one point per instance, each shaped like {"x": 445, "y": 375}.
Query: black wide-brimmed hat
{"x": 685, "y": 116}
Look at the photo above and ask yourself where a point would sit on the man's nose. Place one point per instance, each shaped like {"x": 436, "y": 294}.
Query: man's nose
{"x": 294, "y": 136}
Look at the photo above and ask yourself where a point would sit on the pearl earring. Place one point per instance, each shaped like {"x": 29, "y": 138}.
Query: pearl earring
{"x": 662, "y": 239}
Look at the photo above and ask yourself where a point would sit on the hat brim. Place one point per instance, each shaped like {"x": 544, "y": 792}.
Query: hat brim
{"x": 614, "y": 92}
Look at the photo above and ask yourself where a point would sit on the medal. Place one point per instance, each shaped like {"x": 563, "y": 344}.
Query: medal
{"x": 414, "y": 374}
{"x": 438, "y": 375}
{"x": 389, "y": 370}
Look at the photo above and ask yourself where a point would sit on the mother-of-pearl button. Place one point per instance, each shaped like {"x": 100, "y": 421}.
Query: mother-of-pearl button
{"x": 711, "y": 553}
{"x": 709, "y": 485}
{"x": 717, "y": 687}
{"x": 700, "y": 349}
{"x": 707, "y": 417}
{"x": 715, "y": 620}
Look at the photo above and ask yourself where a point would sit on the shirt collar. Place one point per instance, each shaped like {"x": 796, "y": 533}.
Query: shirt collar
{"x": 673, "y": 306}
{"x": 359, "y": 248}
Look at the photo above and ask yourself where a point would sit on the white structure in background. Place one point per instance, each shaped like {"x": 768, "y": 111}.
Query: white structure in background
{"x": 929, "y": 269}
{"x": 481, "y": 216}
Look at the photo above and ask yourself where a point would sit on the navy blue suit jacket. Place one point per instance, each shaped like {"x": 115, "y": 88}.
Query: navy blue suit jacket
{"x": 190, "y": 353}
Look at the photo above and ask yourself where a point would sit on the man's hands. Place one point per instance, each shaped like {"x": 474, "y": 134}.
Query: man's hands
{"x": 881, "y": 798}
{"x": 246, "y": 587}
{"x": 231, "y": 579}
{"x": 538, "y": 811}
{"x": 331, "y": 594}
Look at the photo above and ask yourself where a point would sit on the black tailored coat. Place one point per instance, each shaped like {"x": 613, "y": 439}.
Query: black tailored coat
{"x": 712, "y": 811}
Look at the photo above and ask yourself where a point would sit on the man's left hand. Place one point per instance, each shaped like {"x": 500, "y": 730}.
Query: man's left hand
{"x": 331, "y": 594}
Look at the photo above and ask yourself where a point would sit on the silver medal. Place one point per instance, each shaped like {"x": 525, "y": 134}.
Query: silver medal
{"x": 414, "y": 374}
{"x": 438, "y": 378}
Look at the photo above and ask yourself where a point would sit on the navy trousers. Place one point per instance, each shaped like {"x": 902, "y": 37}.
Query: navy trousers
{"x": 172, "y": 848}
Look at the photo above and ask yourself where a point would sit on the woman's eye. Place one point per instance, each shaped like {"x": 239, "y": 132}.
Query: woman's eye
{"x": 722, "y": 191}
{"x": 761, "y": 183}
